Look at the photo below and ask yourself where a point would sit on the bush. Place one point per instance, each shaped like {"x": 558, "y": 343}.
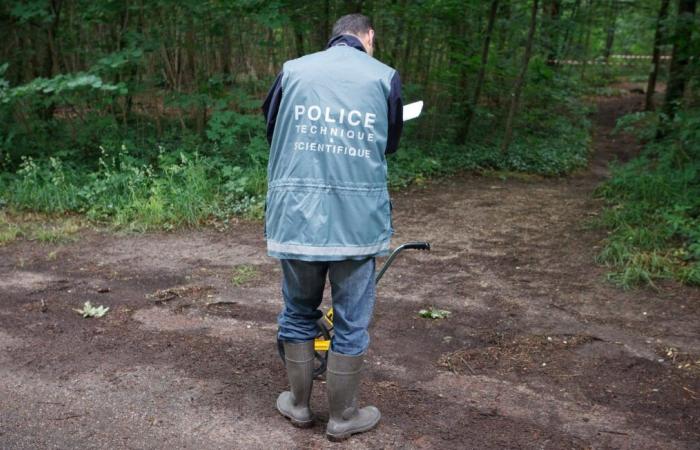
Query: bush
{"x": 180, "y": 189}
{"x": 654, "y": 209}
{"x": 49, "y": 185}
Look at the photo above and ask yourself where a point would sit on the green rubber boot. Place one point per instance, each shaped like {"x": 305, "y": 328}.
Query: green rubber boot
{"x": 294, "y": 403}
{"x": 346, "y": 418}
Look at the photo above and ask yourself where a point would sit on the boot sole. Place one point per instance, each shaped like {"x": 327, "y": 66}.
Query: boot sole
{"x": 297, "y": 423}
{"x": 344, "y": 436}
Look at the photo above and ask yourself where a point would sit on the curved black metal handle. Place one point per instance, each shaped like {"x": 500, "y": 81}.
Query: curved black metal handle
{"x": 408, "y": 245}
{"x": 416, "y": 245}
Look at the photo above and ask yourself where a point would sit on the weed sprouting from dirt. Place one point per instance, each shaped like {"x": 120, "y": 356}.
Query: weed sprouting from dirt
{"x": 89, "y": 310}
{"x": 242, "y": 274}
{"x": 434, "y": 313}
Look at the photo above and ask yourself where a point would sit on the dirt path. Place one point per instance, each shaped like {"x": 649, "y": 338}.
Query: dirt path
{"x": 539, "y": 352}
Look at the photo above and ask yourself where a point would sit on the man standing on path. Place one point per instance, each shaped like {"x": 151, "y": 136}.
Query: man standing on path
{"x": 332, "y": 116}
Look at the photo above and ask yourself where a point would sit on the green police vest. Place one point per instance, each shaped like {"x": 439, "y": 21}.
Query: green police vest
{"x": 327, "y": 195}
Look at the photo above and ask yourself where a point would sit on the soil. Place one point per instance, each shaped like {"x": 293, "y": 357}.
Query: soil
{"x": 539, "y": 351}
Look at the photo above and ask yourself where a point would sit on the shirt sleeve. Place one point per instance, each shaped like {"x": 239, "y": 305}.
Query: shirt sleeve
{"x": 271, "y": 106}
{"x": 395, "y": 115}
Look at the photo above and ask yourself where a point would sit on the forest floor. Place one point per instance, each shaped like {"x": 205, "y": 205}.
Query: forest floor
{"x": 539, "y": 351}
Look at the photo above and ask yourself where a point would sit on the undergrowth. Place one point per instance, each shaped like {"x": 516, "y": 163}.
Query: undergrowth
{"x": 191, "y": 181}
{"x": 142, "y": 174}
{"x": 653, "y": 212}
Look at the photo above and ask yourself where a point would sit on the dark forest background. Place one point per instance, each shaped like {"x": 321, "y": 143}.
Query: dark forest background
{"x": 146, "y": 114}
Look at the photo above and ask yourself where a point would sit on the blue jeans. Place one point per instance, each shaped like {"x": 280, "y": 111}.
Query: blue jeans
{"x": 352, "y": 289}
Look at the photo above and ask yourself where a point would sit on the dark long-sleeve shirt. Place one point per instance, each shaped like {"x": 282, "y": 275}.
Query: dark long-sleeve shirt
{"x": 271, "y": 104}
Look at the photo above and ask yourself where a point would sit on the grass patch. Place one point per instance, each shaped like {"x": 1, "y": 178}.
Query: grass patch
{"x": 243, "y": 274}
{"x": 9, "y": 231}
{"x": 64, "y": 231}
{"x": 39, "y": 227}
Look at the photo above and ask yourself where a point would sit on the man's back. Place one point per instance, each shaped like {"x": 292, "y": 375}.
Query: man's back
{"x": 337, "y": 91}
{"x": 327, "y": 196}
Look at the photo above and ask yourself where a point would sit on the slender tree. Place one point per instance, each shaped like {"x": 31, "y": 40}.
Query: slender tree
{"x": 569, "y": 33}
{"x": 520, "y": 80}
{"x": 680, "y": 56}
{"x": 611, "y": 28}
{"x": 587, "y": 38}
{"x": 482, "y": 70}
{"x": 552, "y": 13}
{"x": 651, "y": 84}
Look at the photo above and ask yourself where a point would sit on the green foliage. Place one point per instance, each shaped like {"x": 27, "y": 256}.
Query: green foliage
{"x": 556, "y": 146}
{"x": 434, "y": 313}
{"x": 58, "y": 87}
{"x": 120, "y": 59}
{"x": 179, "y": 189}
{"x": 243, "y": 274}
{"x": 654, "y": 210}
{"x": 244, "y": 191}
{"x": 641, "y": 124}
{"x": 240, "y": 137}
{"x": 49, "y": 185}
{"x": 88, "y": 310}
{"x": 180, "y": 192}
{"x": 146, "y": 115}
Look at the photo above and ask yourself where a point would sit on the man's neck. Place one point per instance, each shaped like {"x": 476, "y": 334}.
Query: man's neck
{"x": 348, "y": 40}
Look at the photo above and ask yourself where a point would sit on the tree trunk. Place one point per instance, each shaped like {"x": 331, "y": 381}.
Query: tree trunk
{"x": 520, "y": 81}
{"x": 568, "y": 34}
{"x": 322, "y": 31}
{"x": 651, "y": 84}
{"x": 587, "y": 41}
{"x": 507, "y": 13}
{"x": 226, "y": 53}
{"x": 610, "y": 32}
{"x": 680, "y": 56}
{"x": 398, "y": 33}
{"x": 299, "y": 41}
{"x": 190, "y": 49}
{"x": 553, "y": 12}
{"x": 52, "y": 63}
{"x": 482, "y": 70}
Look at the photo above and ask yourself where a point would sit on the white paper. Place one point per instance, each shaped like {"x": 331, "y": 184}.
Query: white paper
{"x": 412, "y": 110}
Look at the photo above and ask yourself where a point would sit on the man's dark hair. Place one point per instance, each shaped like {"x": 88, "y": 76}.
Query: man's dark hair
{"x": 356, "y": 24}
